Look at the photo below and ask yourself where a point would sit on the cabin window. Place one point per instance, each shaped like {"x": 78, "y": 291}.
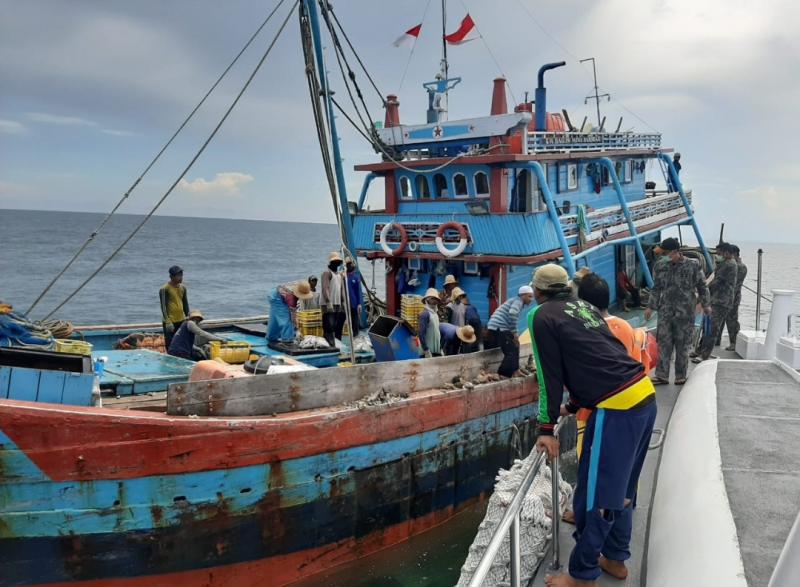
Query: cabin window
{"x": 572, "y": 176}
{"x": 628, "y": 171}
{"x": 460, "y": 185}
{"x": 423, "y": 189}
{"x": 481, "y": 184}
{"x": 522, "y": 195}
{"x": 439, "y": 186}
{"x": 405, "y": 188}
{"x": 619, "y": 171}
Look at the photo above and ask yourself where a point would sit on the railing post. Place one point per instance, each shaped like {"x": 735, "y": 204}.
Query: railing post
{"x": 556, "y": 496}
{"x": 676, "y": 181}
{"x": 758, "y": 291}
{"x": 514, "y": 552}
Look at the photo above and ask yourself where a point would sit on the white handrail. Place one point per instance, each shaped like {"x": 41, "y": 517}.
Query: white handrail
{"x": 510, "y": 524}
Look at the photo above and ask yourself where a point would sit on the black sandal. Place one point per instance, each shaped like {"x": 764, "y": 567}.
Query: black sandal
{"x": 659, "y": 381}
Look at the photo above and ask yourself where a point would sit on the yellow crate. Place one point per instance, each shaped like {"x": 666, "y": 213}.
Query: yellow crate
{"x": 231, "y": 352}
{"x": 309, "y": 322}
{"x": 76, "y": 347}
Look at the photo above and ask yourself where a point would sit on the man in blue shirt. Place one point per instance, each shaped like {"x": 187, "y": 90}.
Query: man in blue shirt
{"x": 355, "y": 295}
{"x": 502, "y": 330}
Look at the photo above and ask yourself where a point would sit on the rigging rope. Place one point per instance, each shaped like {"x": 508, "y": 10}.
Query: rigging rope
{"x": 153, "y": 162}
{"x": 187, "y": 168}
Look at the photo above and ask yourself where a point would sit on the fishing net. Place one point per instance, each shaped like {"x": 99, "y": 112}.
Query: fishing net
{"x": 535, "y": 524}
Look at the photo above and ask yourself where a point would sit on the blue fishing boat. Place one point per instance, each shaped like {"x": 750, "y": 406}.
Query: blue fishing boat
{"x": 247, "y": 478}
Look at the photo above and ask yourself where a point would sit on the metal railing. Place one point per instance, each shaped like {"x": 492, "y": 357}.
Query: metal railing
{"x": 601, "y": 141}
{"x": 510, "y": 524}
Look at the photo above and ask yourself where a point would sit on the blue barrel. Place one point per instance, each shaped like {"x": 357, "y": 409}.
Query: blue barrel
{"x": 393, "y": 339}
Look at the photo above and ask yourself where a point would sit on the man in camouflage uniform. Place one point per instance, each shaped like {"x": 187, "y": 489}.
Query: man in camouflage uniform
{"x": 723, "y": 294}
{"x": 732, "y": 320}
{"x": 678, "y": 284}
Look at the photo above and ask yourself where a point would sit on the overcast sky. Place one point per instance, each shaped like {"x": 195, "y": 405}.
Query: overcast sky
{"x": 91, "y": 90}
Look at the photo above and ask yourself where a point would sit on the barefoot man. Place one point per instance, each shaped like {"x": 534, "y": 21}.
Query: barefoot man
{"x": 575, "y": 350}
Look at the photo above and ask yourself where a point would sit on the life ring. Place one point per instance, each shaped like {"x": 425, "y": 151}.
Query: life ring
{"x": 462, "y": 235}
{"x": 403, "y": 238}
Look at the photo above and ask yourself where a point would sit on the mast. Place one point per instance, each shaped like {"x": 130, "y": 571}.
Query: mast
{"x": 597, "y": 95}
{"x": 311, "y": 9}
{"x": 444, "y": 53}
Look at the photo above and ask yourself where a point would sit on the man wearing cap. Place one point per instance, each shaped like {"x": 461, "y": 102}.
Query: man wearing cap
{"x": 174, "y": 304}
{"x": 283, "y": 302}
{"x": 502, "y": 330}
{"x": 190, "y": 340}
{"x": 454, "y": 338}
{"x": 430, "y": 338}
{"x": 732, "y": 319}
{"x": 677, "y": 286}
{"x": 723, "y": 295}
{"x": 332, "y": 299}
{"x": 574, "y": 349}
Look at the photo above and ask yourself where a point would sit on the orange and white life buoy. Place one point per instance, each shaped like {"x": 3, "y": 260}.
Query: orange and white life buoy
{"x": 403, "y": 238}
{"x": 462, "y": 235}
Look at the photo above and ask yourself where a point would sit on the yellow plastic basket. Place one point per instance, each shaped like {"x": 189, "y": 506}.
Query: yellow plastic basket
{"x": 76, "y": 347}
{"x": 233, "y": 352}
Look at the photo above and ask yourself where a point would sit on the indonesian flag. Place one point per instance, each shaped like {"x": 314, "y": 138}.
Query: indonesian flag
{"x": 410, "y": 35}
{"x": 466, "y": 32}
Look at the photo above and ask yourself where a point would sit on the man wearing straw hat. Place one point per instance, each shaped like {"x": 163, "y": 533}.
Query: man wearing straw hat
{"x": 430, "y": 338}
{"x": 282, "y": 309}
{"x": 454, "y": 338}
{"x": 190, "y": 340}
{"x": 446, "y": 296}
{"x": 456, "y": 310}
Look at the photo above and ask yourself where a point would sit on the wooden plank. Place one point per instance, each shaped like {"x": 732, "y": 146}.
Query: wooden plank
{"x": 148, "y": 401}
{"x": 24, "y": 384}
{"x": 268, "y": 394}
{"x": 5, "y": 375}
{"x": 51, "y": 386}
{"x": 78, "y": 389}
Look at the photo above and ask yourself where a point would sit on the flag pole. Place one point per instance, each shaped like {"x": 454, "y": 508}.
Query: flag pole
{"x": 444, "y": 54}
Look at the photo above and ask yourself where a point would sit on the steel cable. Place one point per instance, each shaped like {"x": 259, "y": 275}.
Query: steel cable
{"x": 186, "y": 169}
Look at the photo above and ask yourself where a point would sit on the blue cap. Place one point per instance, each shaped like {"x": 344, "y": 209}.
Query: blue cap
{"x": 175, "y": 270}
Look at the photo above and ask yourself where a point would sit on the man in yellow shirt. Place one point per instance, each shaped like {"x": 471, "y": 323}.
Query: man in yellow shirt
{"x": 174, "y": 304}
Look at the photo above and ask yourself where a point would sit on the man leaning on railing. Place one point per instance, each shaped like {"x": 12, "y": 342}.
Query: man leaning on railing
{"x": 575, "y": 349}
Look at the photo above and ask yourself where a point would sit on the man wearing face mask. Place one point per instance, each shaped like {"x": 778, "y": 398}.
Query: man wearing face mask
{"x": 723, "y": 294}
{"x": 332, "y": 299}
{"x": 677, "y": 286}
{"x": 502, "y": 330}
{"x": 430, "y": 338}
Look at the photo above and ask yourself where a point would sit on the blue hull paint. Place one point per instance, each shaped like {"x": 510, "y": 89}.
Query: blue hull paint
{"x": 255, "y": 512}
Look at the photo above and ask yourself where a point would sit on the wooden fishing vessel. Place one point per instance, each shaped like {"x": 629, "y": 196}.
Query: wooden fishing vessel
{"x": 266, "y": 479}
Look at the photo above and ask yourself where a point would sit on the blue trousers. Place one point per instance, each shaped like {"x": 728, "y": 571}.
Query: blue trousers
{"x": 279, "y": 327}
{"x": 614, "y": 448}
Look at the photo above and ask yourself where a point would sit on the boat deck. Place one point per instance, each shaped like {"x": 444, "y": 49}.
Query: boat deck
{"x": 758, "y": 414}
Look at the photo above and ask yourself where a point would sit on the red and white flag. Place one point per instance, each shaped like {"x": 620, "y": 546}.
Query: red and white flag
{"x": 466, "y": 32}
{"x": 410, "y": 35}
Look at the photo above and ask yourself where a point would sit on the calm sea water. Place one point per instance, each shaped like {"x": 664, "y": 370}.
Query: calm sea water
{"x": 230, "y": 266}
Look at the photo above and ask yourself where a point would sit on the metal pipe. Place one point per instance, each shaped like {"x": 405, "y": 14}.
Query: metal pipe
{"x": 515, "y": 558}
{"x": 536, "y": 168}
{"x": 556, "y": 495}
{"x": 364, "y": 188}
{"x": 313, "y": 17}
{"x": 693, "y": 221}
{"x": 612, "y": 173}
{"x": 758, "y": 290}
{"x": 541, "y": 95}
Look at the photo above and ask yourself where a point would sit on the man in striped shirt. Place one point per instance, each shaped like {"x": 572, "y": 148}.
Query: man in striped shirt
{"x": 502, "y": 330}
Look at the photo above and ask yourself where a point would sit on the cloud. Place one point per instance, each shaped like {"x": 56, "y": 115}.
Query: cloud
{"x": 116, "y": 133}
{"x": 226, "y": 183}
{"x": 11, "y": 127}
{"x": 46, "y": 118}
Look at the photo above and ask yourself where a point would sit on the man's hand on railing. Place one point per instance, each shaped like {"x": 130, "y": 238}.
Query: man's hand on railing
{"x": 548, "y": 444}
